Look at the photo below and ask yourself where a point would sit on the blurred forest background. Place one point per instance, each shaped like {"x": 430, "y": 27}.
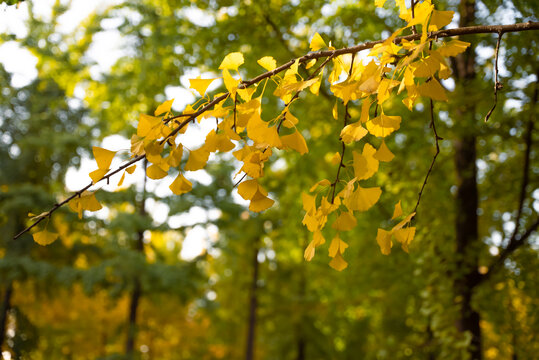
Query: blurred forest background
{"x": 198, "y": 276}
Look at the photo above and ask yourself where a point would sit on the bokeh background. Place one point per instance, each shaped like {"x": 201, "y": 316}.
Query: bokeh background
{"x": 198, "y": 276}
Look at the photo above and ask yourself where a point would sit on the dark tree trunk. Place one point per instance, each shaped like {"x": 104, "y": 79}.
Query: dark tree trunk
{"x": 253, "y": 303}
{"x": 137, "y": 289}
{"x": 466, "y": 227}
{"x": 131, "y": 331}
{"x": 301, "y": 340}
{"x": 6, "y": 303}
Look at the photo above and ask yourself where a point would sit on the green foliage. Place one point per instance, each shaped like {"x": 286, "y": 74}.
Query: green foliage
{"x": 381, "y": 307}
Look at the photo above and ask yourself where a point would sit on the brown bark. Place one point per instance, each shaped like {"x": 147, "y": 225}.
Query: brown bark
{"x": 6, "y": 304}
{"x": 253, "y": 303}
{"x": 466, "y": 226}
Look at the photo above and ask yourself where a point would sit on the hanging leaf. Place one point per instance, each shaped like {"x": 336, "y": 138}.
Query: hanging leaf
{"x": 232, "y": 61}
{"x": 164, "y": 107}
{"x": 44, "y": 237}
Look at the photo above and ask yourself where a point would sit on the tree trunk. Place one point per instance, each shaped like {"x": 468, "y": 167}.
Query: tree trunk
{"x": 131, "y": 331}
{"x": 137, "y": 289}
{"x": 6, "y": 303}
{"x": 466, "y": 227}
{"x": 253, "y": 302}
{"x": 301, "y": 340}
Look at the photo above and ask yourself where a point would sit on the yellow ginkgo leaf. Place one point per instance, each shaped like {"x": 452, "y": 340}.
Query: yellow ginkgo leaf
{"x": 86, "y": 201}
{"x": 335, "y": 159}
{"x": 383, "y": 153}
{"x": 365, "y": 165}
{"x": 384, "y": 241}
{"x": 365, "y": 106}
{"x": 98, "y": 174}
{"x": 248, "y": 189}
{"x": 433, "y": 90}
{"x": 267, "y": 62}
{"x": 317, "y": 42}
{"x": 348, "y": 189}
{"x": 318, "y": 238}
{"x": 309, "y": 251}
{"x": 291, "y": 87}
{"x": 383, "y": 125}
{"x": 120, "y": 183}
{"x": 311, "y": 222}
{"x": 310, "y": 64}
{"x": 335, "y": 111}
{"x": 322, "y": 183}
{"x": 344, "y": 222}
{"x": 453, "y": 48}
{"x": 315, "y": 87}
{"x": 44, "y": 237}
{"x": 200, "y": 85}
{"x": 337, "y": 246}
{"x": 439, "y": 19}
{"x": 398, "y": 211}
{"x": 296, "y": 142}
{"x": 149, "y": 126}
{"x": 137, "y": 146}
{"x": 231, "y": 84}
{"x": 426, "y": 67}
{"x": 353, "y": 132}
{"x": 263, "y": 135}
{"x": 197, "y": 159}
{"x": 253, "y": 164}
{"x": 155, "y": 172}
{"x": 363, "y": 198}
{"x": 218, "y": 142}
{"x": 309, "y": 202}
{"x": 131, "y": 169}
{"x": 379, "y": 3}
{"x": 103, "y": 157}
{"x": 405, "y": 236}
{"x": 260, "y": 202}
{"x": 180, "y": 185}
{"x": 232, "y": 61}
{"x": 338, "y": 263}
{"x": 164, "y": 107}
{"x": 175, "y": 156}
{"x": 246, "y": 93}
{"x": 405, "y": 221}
{"x": 384, "y": 90}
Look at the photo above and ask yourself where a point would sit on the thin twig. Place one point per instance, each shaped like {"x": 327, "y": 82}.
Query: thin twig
{"x": 414, "y": 30}
{"x": 436, "y": 139}
{"x": 346, "y": 117}
{"x": 78, "y": 194}
{"x": 497, "y": 85}
{"x": 235, "y": 111}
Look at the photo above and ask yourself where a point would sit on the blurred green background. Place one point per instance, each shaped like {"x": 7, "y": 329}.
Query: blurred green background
{"x": 197, "y": 276}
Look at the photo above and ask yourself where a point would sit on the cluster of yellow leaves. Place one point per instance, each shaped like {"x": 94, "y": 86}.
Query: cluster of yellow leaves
{"x": 410, "y": 65}
{"x": 402, "y": 232}
{"x": 390, "y": 68}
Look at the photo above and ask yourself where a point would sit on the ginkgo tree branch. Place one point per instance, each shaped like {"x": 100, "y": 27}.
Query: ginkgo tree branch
{"x": 77, "y": 194}
{"x": 327, "y": 54}
{"x": 437, "y": 145}
{"x": 497, "y": 85}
